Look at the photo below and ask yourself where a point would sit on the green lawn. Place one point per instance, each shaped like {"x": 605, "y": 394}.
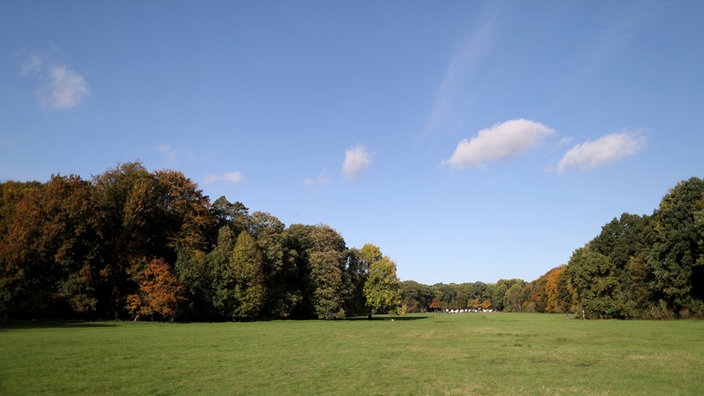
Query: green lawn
{"x": 494, "y": 353}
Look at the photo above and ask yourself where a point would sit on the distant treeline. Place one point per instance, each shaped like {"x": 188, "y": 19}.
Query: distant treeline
{"x": 648, "y": 267}
{"x": 132, "y": 244}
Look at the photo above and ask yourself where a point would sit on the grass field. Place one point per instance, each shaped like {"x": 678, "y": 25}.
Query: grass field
{"x": 426, "y": 354}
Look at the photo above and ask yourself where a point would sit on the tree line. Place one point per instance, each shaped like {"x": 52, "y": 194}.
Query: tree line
{"x": 131, "y": 244}
{"x": 649, "y": 267}
{"x": 134, "y": 244}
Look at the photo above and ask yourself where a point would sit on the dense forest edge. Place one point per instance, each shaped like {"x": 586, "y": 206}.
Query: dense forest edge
{"x": 130, "y": 244}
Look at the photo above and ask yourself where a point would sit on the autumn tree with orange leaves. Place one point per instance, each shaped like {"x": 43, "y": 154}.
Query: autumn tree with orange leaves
{"x": 160, "y": 294}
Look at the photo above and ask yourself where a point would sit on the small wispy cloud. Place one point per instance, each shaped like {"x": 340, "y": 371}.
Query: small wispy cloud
{"x": 606, "y": 149}
{"x": 229, "y": 177}
{"x": 451, "y": 106}
{"x": 169, "y": 153}
{"x": 357, "y": 159}
{"x": 624, "y": 23}
{"x": 321, "y": 179}
{"x": 34, "y": 63}
{"x": 504, "y": 140}
{"x": 61, "y": 87}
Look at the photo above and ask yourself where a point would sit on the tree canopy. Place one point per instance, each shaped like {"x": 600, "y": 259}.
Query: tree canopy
{"x": 130, "y": 243}
{"x": 137, "y": 244}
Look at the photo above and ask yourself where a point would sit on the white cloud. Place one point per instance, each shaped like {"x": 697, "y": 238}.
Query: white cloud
{"x": 169, "y": 153}
{"x": 606, "y": 149}
{"x": 504, "y": 140}
{"x": 61, "y": 88}
{"x": 230, "y": 177}
{"x": 65, "y": 89}
{"x": 357, "y": 159}
{"x": 321, "y": 179}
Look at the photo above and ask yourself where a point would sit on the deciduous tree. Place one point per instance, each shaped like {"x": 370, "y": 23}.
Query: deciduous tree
{"x": 677, "y": 258}
{"x": 160, "y": 293}
{"x": 247, "y": 264}
{"x": 595, "y": 281}
{"x": 382, "y": 289}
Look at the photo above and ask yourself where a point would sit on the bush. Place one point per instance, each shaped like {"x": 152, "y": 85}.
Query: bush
{"x": 659, "y": 312}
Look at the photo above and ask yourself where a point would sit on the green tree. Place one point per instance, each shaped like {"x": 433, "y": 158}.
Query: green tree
{"x": 382, "y": 289}
{"x": 280, "y": 268}
{"x": 416, "y": 296}
{"x": 594, "y": 278}
{"x": 357, "y": 270}
{"x": 247, "y": 264}
{"x": 677, "y": 258}
{"x": 193, "y": 270}
{"x": 222, "y": 274}
{"x": 446, "y": 293}
{"x": 327, "y": 257}
{"x": 499, "y": 290}
{"x": 298, "y": 245}
{"x": 232, "y": 214}
{"x": 238, "y": 278}
{"x": 513, "y": 298}
{"x": 622, "y": 240}
{"x": 327, "y": 276}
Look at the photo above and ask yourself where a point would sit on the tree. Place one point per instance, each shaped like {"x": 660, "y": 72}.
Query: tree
{"x": 624, "y": 237}
{"x": 115, "y": 245}
{"x": 160, "y": 292}
{"x": 622, "y": 240}
{"x": 25, "y": 285}
{"x": 435, "y": 305}
{"x": 186, "y": 211}
{"x": 116, "y": 223}
{"x": 382, "y": 289}
{"x": 677, "y": 258}
{"x": 499, "y": 292}
{"x": 193, "y": 270}
{"x": 357, "y": 271}
{"x": 222, "y": 274}
{"x": 280, "y": 272}
{"x": 238, "y": 277}
{"x": 232, "y": 214}
{"x": 513, "y": 298}
{"x": 446, "y": 294}
{"x": 327, "y": 276}
{"x": 556, "y": 290}
{"x": 595, "y": 281}
{"x": 638, "y": 298}
{"x": 48, "y": 248}
{"x": 249, "y": 290}
{"x": 298, "y": 246}
{"x": 327, "y": 256}
{"x": 416, "y": 297}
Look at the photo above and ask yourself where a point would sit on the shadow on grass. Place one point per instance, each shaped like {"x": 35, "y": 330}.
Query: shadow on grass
{"x": 387, "y": 318}
{"x": 51, "y": 323}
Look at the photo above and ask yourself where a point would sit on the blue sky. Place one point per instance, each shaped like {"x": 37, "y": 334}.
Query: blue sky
{"x": 471, "y": 141}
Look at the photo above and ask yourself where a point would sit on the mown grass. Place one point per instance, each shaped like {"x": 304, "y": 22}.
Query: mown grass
{"x": 424, "y": 354}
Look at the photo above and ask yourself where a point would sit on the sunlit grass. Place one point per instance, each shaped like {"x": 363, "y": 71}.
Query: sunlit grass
{"x": 431, "y": 354}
